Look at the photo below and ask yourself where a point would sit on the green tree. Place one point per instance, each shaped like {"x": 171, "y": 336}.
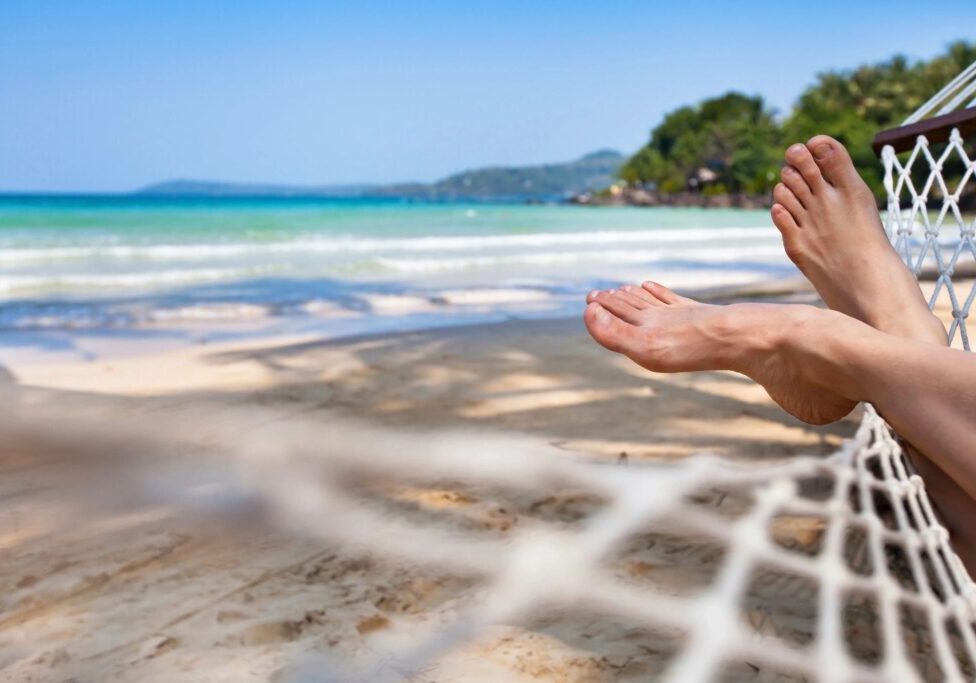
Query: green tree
{"x": 734, "y": 136}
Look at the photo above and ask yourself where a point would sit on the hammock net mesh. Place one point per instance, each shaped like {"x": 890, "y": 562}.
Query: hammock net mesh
{"x": 927, "y": 224}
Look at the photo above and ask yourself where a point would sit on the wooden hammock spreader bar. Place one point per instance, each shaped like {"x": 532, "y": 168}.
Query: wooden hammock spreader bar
{"x": 936, "y": 129}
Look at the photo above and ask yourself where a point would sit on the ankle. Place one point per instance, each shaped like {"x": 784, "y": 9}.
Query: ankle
{"x": 749, "y": 334}
{"x": 829, "y": 346}
{"x": 820, "y": 344}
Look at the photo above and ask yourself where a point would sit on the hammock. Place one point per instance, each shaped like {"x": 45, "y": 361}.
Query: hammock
{"x": 943, "y": 242}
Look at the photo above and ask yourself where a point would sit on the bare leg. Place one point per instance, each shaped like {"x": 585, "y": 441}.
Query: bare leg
{"x": 816, "y": 364}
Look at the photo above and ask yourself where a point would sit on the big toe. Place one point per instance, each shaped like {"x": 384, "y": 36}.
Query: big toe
{"x": 834, "y": 161}
{"x": 609, "y": 330}
{"x": 800, "y": 158}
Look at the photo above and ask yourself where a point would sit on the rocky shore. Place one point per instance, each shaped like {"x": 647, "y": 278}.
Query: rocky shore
{"x": 636, "y": 196}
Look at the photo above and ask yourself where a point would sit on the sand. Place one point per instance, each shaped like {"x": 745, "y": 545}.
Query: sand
{"x": 149, "y": 594}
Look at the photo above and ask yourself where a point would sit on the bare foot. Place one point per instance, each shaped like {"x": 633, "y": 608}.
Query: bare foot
{"x": 831, "y": 231}
{"x": 664, "y": 332}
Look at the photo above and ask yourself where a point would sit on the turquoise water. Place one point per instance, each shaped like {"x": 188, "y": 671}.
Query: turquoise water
{"x": 75, "y": 263}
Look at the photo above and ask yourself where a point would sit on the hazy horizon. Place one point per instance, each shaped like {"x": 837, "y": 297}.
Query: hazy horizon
{"x": 109, "y": 98}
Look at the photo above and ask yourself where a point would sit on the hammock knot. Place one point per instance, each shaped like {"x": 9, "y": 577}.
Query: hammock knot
{"x": 936, "y": 535}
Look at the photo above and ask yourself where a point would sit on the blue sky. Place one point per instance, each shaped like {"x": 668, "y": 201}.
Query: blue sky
{"x": 99, "y": 96}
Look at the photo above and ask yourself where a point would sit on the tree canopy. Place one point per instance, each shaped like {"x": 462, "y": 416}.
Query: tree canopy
{"x": 739, "y": 142}
{"x": 733, "y": 137}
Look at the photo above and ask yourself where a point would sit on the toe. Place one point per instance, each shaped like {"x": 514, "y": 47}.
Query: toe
{"x": 615, "y": 302}
{"x": 629, "y": 294}
{"x": 833, "y": 160}
{"x": 800, "y": 158}
{"x": 662, "y": 293}
{"x": 609, "y": 330}
{"x": 784, "y": 196}
{"x": 798, "y": 186}
{"x": 644, "y": 295}
{"x": 784, "y": 221}
{"x": 591, "y": 297}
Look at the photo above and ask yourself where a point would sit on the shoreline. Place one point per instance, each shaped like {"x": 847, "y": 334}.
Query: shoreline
{"x": 639, "y": 197}
{"x": 64, "y": 346}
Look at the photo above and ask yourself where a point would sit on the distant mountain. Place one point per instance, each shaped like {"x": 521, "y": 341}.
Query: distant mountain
{"x": 549, "y": 182}
{"x": 214, "y": 188}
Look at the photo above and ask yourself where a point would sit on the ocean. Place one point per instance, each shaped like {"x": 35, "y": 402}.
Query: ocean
{"x": 211, "y": 269}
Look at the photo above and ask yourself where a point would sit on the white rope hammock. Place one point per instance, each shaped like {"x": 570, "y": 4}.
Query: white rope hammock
{"x": 929, "y": 234}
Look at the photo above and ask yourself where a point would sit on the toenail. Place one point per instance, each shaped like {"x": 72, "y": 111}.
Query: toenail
{"x": 788, "y": 170}
{"x": 602, "y": 316}
{"x": 593, "y": 293}
{"x": 821, "y": 151}
{"x": 797, "y": 148}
